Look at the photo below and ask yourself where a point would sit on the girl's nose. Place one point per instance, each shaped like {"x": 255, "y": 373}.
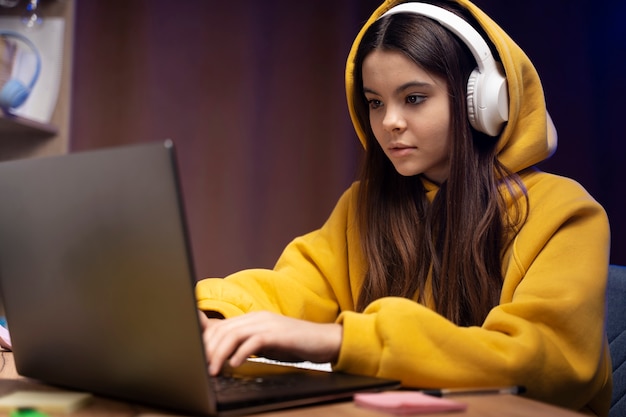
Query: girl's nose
{"x": 394, "y": 120}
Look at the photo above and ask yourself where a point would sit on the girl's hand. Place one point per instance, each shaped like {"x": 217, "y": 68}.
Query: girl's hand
{"x": 270, "y": 335}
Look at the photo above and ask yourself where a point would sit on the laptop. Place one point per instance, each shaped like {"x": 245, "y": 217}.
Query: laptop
{"x": 97, "y": 284}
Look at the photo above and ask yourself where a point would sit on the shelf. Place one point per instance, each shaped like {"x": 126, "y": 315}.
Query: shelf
{"x": 13, "y": 126}
{"x": 22, "y": 137}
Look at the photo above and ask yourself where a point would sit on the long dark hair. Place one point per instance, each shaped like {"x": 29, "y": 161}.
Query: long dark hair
{"x": 457, "y": 239}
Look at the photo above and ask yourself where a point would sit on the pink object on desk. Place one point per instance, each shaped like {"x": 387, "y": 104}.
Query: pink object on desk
{"x": 5, "y": 338}
{"x": 407, "y": 402}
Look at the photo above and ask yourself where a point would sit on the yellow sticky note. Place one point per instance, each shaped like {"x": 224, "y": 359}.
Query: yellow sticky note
{"x": 50, "y": 401}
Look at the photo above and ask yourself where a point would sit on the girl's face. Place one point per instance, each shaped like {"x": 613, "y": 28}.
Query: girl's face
{"x": 409, "y": 114}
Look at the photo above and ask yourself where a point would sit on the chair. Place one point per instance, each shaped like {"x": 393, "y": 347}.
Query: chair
{"x": 616, "y": 333}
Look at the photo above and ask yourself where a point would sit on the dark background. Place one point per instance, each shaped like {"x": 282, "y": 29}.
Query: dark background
{"x": 252, "y": 93}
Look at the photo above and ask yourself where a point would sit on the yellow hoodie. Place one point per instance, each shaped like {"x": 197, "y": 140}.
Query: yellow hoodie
{"x": 547, "y": 332}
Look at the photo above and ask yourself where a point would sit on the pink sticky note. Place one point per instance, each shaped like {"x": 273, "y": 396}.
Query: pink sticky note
{"x": 5, "y": 338}
{"x": 407, "y": 402}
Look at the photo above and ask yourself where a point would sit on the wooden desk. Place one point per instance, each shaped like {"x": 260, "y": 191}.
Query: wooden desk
{"x": 478, "y": 406}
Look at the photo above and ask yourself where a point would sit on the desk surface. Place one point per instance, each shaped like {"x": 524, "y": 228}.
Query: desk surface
{"x": 478, "y": 406}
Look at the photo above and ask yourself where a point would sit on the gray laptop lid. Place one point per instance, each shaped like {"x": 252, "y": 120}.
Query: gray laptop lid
{"x": 97, "y": 282}
{"x": 93, "y": 255}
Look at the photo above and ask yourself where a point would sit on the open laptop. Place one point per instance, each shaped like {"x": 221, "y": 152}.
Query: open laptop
{"x": 98, "y": 287}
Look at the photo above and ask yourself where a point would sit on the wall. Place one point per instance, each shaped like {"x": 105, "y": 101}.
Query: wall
{"x": 253, "y": 97}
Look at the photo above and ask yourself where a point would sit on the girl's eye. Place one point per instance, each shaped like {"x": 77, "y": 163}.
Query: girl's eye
{"x": 374, "y": 104}
{"x": 415, "y": 99}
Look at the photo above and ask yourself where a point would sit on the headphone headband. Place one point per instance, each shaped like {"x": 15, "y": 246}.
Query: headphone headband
{"x": 455, "y": 24}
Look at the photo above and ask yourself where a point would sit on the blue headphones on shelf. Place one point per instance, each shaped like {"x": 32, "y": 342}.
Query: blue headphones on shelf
{"x": 14, "y": 92}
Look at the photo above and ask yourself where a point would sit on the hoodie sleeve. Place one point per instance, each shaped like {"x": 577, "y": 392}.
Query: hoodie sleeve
{"x": 310, "y": 281}
{"x": 546, "y": 334}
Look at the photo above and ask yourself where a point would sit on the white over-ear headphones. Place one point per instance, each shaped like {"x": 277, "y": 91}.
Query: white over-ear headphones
{"x": 14, "y": 92}
{"x": 487, "y": 95}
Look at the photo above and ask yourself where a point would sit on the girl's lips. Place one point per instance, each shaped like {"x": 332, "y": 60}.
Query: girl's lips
{"x": 400, "y": 150}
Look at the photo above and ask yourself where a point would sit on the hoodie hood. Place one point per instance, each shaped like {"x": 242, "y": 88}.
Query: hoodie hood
{"x": 529, "y": 136}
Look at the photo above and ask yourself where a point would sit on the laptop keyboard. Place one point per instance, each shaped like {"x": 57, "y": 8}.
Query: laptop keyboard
{"x": 236, "y": 384}
{"x": 233, "y": 382}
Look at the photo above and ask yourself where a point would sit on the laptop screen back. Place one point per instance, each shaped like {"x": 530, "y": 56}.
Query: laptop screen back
{"x": 82, "y": 239}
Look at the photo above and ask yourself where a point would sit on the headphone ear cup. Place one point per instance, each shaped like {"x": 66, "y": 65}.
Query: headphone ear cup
{"x": 487, "y": 101}
{"x": 13, "y": 94}
{"x": 472, "y": 105}
{"x": 497, "y": 101}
